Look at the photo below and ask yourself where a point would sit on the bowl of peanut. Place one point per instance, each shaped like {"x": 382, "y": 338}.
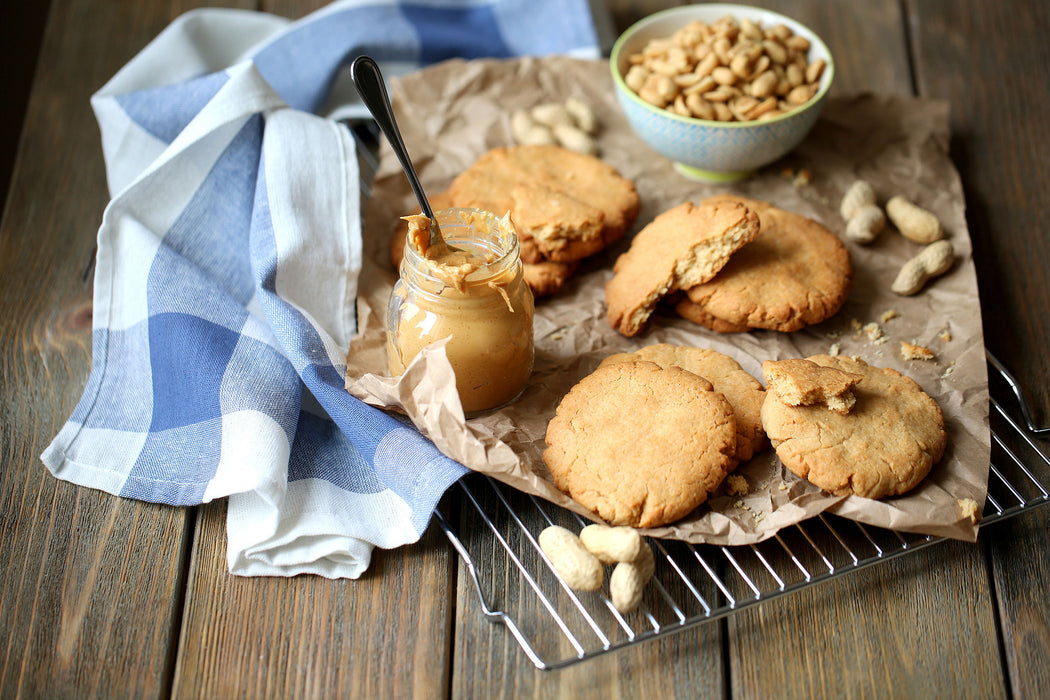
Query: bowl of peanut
{"x": 721, "y": 90}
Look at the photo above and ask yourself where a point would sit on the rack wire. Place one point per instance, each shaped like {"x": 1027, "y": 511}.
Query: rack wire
{"x": 696, "y": 584}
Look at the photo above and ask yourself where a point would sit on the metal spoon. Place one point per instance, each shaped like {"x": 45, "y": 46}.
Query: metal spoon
{"x": 370, "y": 85}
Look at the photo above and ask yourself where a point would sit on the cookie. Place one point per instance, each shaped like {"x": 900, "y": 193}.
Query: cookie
{"x": 547, "y": 277}
{"x": 565, "y": 205}
{"x": 885, "y": 445}
{"x": 805, "y": 383}
{"x": 544, "y": 277}
{"x": 641, "y": 445}
{"x": 683, "y": 247}
{"x": 744, "y": 393}
{"x": 793, "y": 274}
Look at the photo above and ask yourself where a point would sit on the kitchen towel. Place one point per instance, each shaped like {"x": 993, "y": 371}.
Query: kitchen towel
{"x": 226, "y": 277}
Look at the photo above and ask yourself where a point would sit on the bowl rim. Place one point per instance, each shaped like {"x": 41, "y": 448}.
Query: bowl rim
{"x": 723, "y": 9}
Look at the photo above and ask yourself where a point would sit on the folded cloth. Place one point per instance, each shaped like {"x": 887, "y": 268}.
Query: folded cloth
{"x": 226, "y": 278}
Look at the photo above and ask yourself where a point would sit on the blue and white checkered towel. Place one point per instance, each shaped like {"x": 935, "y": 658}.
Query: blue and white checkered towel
{"x": 226, "y": 276}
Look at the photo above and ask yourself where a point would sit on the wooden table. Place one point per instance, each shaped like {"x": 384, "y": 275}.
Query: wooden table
{"x": 111, "y": 597}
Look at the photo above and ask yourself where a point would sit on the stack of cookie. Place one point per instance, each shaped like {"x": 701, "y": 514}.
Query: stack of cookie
{"x": 782, "y": 274}
{"x": 565, "y": 206}
{"x": 649, "y": 435}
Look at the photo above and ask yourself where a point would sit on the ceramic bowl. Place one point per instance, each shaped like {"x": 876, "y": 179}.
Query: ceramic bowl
{"x": 715, "y": 151}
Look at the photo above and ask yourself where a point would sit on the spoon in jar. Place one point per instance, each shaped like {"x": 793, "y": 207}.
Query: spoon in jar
{"x": 368, "y": 80}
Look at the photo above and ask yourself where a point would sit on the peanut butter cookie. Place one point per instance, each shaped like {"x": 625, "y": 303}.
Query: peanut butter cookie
{"x": 683, "y": 247}
{"x": 744, "y": 393}
{"x": 884, "y": 446}
{"x": 793, "y": 274}
{"x": 805, "y": 383}
{"x": 566, "y": 205}
{"x": 641, "y": 445}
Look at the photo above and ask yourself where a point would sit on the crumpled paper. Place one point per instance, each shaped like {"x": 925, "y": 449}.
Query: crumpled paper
{"x": 453, "y": 112}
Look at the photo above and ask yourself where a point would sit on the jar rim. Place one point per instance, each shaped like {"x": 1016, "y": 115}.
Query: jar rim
{"x": 499, "y": 239}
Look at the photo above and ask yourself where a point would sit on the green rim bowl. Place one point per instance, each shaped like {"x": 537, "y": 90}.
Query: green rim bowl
{"x": 713, "y": 151}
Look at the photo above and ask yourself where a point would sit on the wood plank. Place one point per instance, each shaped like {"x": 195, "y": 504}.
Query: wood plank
{"x": 386, "y": 634}
{"x": 92, "y": 584}
{"x": 989, "y": 60}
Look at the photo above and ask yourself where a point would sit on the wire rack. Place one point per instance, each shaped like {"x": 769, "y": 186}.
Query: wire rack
{"x": 494, "y": 529}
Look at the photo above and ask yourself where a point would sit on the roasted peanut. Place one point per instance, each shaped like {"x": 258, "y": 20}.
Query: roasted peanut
{"x": 629, "y": 579}
{"x": 915, "y": 223}
{"x": 866, "y": 224}
{"x": 934, "y": 260}
{"x": 635, "y": 78}
{"x": 859, "y": 194}
{"x": 755, "y": 62}
{"x": 612, "y": 544}
{"x": 578, "y": 568}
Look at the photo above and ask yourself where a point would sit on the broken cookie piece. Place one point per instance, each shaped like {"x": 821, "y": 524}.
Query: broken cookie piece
{"x": 911, "y": 351}
{"x": 681, "y": 248}
{"x": 805, "y": 383}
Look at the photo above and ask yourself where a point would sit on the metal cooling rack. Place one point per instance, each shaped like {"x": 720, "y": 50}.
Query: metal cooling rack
{"x": 556, "y": 627}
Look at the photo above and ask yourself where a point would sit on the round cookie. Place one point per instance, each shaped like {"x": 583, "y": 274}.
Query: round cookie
{"x": 641, "y": 445}
{"x": 566, "y": 205}
{"x": 793, "y": 274}
{"x": 544, "y": 277}
{"x": 744, "y": 393}
{"x": 681, "y": 248}
{"x": 884, "y": 446}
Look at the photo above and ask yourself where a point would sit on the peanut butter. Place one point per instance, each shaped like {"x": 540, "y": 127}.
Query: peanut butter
{"x": 468, "y": 289}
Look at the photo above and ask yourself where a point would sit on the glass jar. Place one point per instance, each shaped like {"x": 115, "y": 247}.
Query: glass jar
{"x": 484, "y": 308}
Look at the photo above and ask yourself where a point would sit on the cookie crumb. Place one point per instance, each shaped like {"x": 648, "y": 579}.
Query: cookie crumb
{"x": 856, "y": 325}
{"x": 557, "y": 336}
{"x": 802, "y": 178}
{"x": 782, "y": 486}
{"x": 832, "y": 335}
{"x": 874, "y": 333}
{"x": 736, "y": 485}
{"x": 968, "y": 509}
{"x": 835, "y": 349}
{"x": 759, "y": 517}
{"x": 888, "y": 315}
{"x": 911, "y": 351}
{"x": 946, "y": 336}
{"x": 948, "y": 371}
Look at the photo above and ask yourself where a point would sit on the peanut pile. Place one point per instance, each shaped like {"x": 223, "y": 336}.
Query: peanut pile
{"x": 726, "y": 71}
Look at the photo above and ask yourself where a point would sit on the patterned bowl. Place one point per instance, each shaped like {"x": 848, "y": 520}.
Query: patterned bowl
{"x": 714, "y": 151}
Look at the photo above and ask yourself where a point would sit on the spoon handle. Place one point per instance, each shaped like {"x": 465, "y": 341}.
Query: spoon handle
{"x": 370, "y": 85}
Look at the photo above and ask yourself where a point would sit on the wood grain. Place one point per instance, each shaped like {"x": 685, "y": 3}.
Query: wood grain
{"x": 104, "y": 596}
{"x": 386, "y": 635}
{"x": 91, "y": 584}
{"x": 997, "y": 87}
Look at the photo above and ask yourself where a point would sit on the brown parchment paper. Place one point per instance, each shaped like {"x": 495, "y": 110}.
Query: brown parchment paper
{"x": 453, "y": 112}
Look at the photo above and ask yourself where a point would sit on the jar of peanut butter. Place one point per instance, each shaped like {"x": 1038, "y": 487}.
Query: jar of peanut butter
{"x": 470, "y": 290}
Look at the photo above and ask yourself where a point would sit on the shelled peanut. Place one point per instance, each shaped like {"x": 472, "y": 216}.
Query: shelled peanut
{"x": 578, "y": 560}
{"x": 727, "y": 70}
{"x": 570, "y": 124}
